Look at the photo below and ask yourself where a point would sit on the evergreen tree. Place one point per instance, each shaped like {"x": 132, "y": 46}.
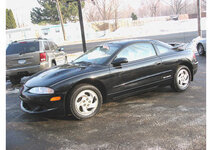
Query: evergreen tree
{"x": 10, "y": 21}
{"x": 133, "y": 16}
{"x": 47, "y": 13}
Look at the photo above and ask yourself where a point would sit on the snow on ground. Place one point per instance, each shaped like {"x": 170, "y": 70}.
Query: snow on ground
{"x": 14, "y": 89}
{"x": 148, "y": 29}
{"x": 157, "y": 28}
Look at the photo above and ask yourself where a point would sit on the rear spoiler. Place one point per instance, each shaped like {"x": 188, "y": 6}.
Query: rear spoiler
{"x": 178, "y": 46}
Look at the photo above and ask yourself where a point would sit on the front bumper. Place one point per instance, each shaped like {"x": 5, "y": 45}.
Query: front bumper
{"x": 36, "y": 104}
{"x": 195, "y": 67}
{"x": 34, "y": 109}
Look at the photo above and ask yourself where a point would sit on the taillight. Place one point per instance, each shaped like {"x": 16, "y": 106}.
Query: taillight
{"x": 42, "y": 57}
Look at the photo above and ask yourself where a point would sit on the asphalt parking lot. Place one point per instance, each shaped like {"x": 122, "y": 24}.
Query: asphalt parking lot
{"x": 158, "y": 120}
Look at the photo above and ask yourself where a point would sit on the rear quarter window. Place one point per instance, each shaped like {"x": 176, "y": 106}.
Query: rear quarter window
{"x": 163, "y": 50}
{"x": 22, "y": 47}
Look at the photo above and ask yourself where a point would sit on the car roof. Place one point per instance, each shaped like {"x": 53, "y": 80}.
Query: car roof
{"x": 127, "y": 42}
{"x": 30, "y": 40}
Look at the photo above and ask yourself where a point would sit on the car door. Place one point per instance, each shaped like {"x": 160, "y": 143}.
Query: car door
{"x": 169, "y": 58}
{"x": 143, "y": 69}
{"x": 59, "y": 55}
{"x": 49, "y": 52}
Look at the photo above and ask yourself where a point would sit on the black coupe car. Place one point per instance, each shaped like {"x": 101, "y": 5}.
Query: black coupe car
{"x": 109, "y": 71}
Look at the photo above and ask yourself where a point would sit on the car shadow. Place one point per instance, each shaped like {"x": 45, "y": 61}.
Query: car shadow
{"x": 25, "y": 117}
{"x": 59, "y": 115}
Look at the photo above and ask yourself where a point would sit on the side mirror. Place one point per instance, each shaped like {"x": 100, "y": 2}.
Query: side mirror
{"x": 119, "y": 61}
{"x": 61, "y": 49}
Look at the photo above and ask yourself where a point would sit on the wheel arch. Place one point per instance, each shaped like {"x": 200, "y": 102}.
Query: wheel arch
{"x": 98, "y": 84}
{"x": 190, "y": 67}
{"x": 200, "y": 44}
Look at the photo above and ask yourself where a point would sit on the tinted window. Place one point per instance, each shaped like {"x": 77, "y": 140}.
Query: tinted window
{"x": 46, "y": 45}
{"x": 162, "y": 49}
{"x": 137, "y": 51}
{"x": 98, "y": 55}
{"x": 22, "y": 47}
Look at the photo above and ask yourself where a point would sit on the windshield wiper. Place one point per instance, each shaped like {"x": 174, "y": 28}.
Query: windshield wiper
{"x": 84, "y": 62}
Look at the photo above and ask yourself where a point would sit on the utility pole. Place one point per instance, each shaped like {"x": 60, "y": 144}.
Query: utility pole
{"x": 61, "y": 19}
{"x": 81, "y": 25}
{"x": 199, "y": 17}
{"x": 81, "y": 22}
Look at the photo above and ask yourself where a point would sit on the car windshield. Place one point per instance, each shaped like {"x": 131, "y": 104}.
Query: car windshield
{"x": 22, "y": 47}
{"x": 97, "y": 55}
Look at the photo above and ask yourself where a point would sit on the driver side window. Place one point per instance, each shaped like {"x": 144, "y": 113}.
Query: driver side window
{"x": 137, "y": 51}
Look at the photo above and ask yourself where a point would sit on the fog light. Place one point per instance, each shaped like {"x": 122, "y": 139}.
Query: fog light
{"x": 55, "y": 98}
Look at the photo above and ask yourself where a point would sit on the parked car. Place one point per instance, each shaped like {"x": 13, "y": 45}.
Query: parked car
{"x": 201, "y": 46}
{"x": 26, "y": 57}
{"x": 174, "y": 17}
{"x": 109, "y": 71}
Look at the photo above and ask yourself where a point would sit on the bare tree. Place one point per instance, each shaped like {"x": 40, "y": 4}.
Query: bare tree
{"x": 176, "y": 5}
{"x": 104, "y": 8}
{"x": 101, "y": 9}
{"x": 203, "y": 5}
{"x": 153, "y": 6}
{"x": 186, "y": 3}
{"x": 90, "y": 11}
{"x": 115, "y": 11}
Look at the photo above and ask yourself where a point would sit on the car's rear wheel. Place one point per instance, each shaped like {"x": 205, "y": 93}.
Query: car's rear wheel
{"x": 15, "y": 80}
{"x": 182, "y": 79}
{"x": 53, "y": 64}
{"x": 200, "y": 49}
{"x": 85, "y": 101}
{"x": 66, "y": 60}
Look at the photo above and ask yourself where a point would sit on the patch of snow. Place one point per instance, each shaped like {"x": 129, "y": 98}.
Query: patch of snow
{"x": 157, "y": 28}
{"x": 12, "y": 91}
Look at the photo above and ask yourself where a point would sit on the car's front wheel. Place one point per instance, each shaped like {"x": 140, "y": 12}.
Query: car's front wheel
{"x": 85, "y": 101}
{"x": 182, "y": 79}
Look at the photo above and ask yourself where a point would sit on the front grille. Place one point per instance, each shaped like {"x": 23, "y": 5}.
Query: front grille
{"x": 34, "y": 107}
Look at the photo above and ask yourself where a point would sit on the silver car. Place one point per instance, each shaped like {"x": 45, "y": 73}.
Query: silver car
{"x": 201, "y": 46}
{"x": 26, "y": 57}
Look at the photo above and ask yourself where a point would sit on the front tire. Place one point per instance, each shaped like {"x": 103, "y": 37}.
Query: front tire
{"x": 85, "y": 101}
{"x": 182, "y": 79}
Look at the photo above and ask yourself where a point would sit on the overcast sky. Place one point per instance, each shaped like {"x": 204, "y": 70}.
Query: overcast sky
{"x": 21, "y": 9}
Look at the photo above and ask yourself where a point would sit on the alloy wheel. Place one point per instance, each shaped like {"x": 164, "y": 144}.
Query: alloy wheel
{"x": 183, "y": 79}
{"x": 86, "y": 102}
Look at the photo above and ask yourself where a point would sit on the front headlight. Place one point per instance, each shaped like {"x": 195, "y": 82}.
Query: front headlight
{"x": 41, "y": 90}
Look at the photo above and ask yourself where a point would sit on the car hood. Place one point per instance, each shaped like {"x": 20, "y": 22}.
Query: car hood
{"x": 51, "y": 76}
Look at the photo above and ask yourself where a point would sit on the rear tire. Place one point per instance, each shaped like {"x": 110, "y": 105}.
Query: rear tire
{"x": 66, "y": 60}
{"x": 53, "y": 64}
{"x": 182, "y": 79}
{"x": 200, "y": 49}
{"x": 15, "y": 80}
{"x": 85, "y": 101}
